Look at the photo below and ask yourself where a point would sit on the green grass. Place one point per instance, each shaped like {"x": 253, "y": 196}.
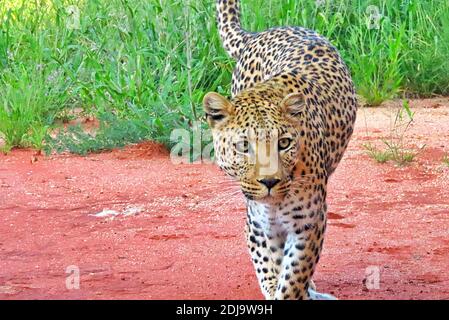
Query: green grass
{"x": 149, "y": 62}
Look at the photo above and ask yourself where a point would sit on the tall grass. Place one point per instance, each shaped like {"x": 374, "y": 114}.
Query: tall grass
{"x": 151, "y": 61}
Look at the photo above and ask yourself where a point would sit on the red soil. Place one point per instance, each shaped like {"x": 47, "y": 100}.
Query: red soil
{"x": 186, "y": 239}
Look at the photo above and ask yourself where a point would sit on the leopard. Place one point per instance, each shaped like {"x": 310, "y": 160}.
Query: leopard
{"x": 281, "y": 135}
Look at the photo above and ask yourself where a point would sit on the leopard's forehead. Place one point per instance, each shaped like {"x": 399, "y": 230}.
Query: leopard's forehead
{"x": 257, "y": 116}
{"x": 256, "y": 123}
{"x": 257, "y": 112}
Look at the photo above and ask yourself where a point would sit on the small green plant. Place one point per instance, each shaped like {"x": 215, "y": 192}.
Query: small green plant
{"x": 399, "y": 154}
{"x": 446, "y": 159}
{"x": 380, "y": 156}
{"x": 395, "y": 146}
{"x": 392, "y": 152}
{"x": 37, "y": 136}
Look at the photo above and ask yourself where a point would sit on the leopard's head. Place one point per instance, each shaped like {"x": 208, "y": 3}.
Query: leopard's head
{"x": 257, "y": 138}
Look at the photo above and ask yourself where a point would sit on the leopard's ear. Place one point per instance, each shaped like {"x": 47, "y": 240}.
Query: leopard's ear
{"x": 293, "y": 105}
{"x": 217, "y": 108}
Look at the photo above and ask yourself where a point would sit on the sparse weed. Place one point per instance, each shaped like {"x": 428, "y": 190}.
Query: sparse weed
{"x": 380, "y": 156}
{"x": 112, "y": 133}
{"x": 446, "y": 159}
{"x": 396, "y": 148}
{"x": 392, "y": 152}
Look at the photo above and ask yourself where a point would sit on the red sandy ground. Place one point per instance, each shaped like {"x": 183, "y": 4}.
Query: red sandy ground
{"x": 187, "y": 240}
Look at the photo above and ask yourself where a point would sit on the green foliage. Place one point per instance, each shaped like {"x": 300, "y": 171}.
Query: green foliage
{"x": 29, "y": 101}
{"x": 155, "y": 60}
{"x": 112, "y": 133}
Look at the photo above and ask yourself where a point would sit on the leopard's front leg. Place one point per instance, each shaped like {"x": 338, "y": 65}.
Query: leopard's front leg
{"x": 267, "y": 254}
{"x": 301, "y": 254}
{"x": 285, "y": 251}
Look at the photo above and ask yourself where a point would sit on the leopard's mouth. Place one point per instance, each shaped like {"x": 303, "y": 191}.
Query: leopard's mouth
{"x": 264, "y": 195}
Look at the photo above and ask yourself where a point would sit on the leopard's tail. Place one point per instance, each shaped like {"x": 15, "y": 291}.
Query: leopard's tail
{"x": 232, "y": 35}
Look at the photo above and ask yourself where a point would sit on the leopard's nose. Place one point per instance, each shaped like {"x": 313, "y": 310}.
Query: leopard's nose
{"x": 269, "y": 183}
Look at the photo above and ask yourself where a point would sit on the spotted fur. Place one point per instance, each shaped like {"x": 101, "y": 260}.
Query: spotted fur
{"x": 289, "y": 87}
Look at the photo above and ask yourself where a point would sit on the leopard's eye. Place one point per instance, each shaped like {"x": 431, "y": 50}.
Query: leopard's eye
{"x": 284, "y": 143}
{"x": 242, "y": 146}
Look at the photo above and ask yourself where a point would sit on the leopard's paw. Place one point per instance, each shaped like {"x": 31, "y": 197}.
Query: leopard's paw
{"x": 314, "y": 295}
